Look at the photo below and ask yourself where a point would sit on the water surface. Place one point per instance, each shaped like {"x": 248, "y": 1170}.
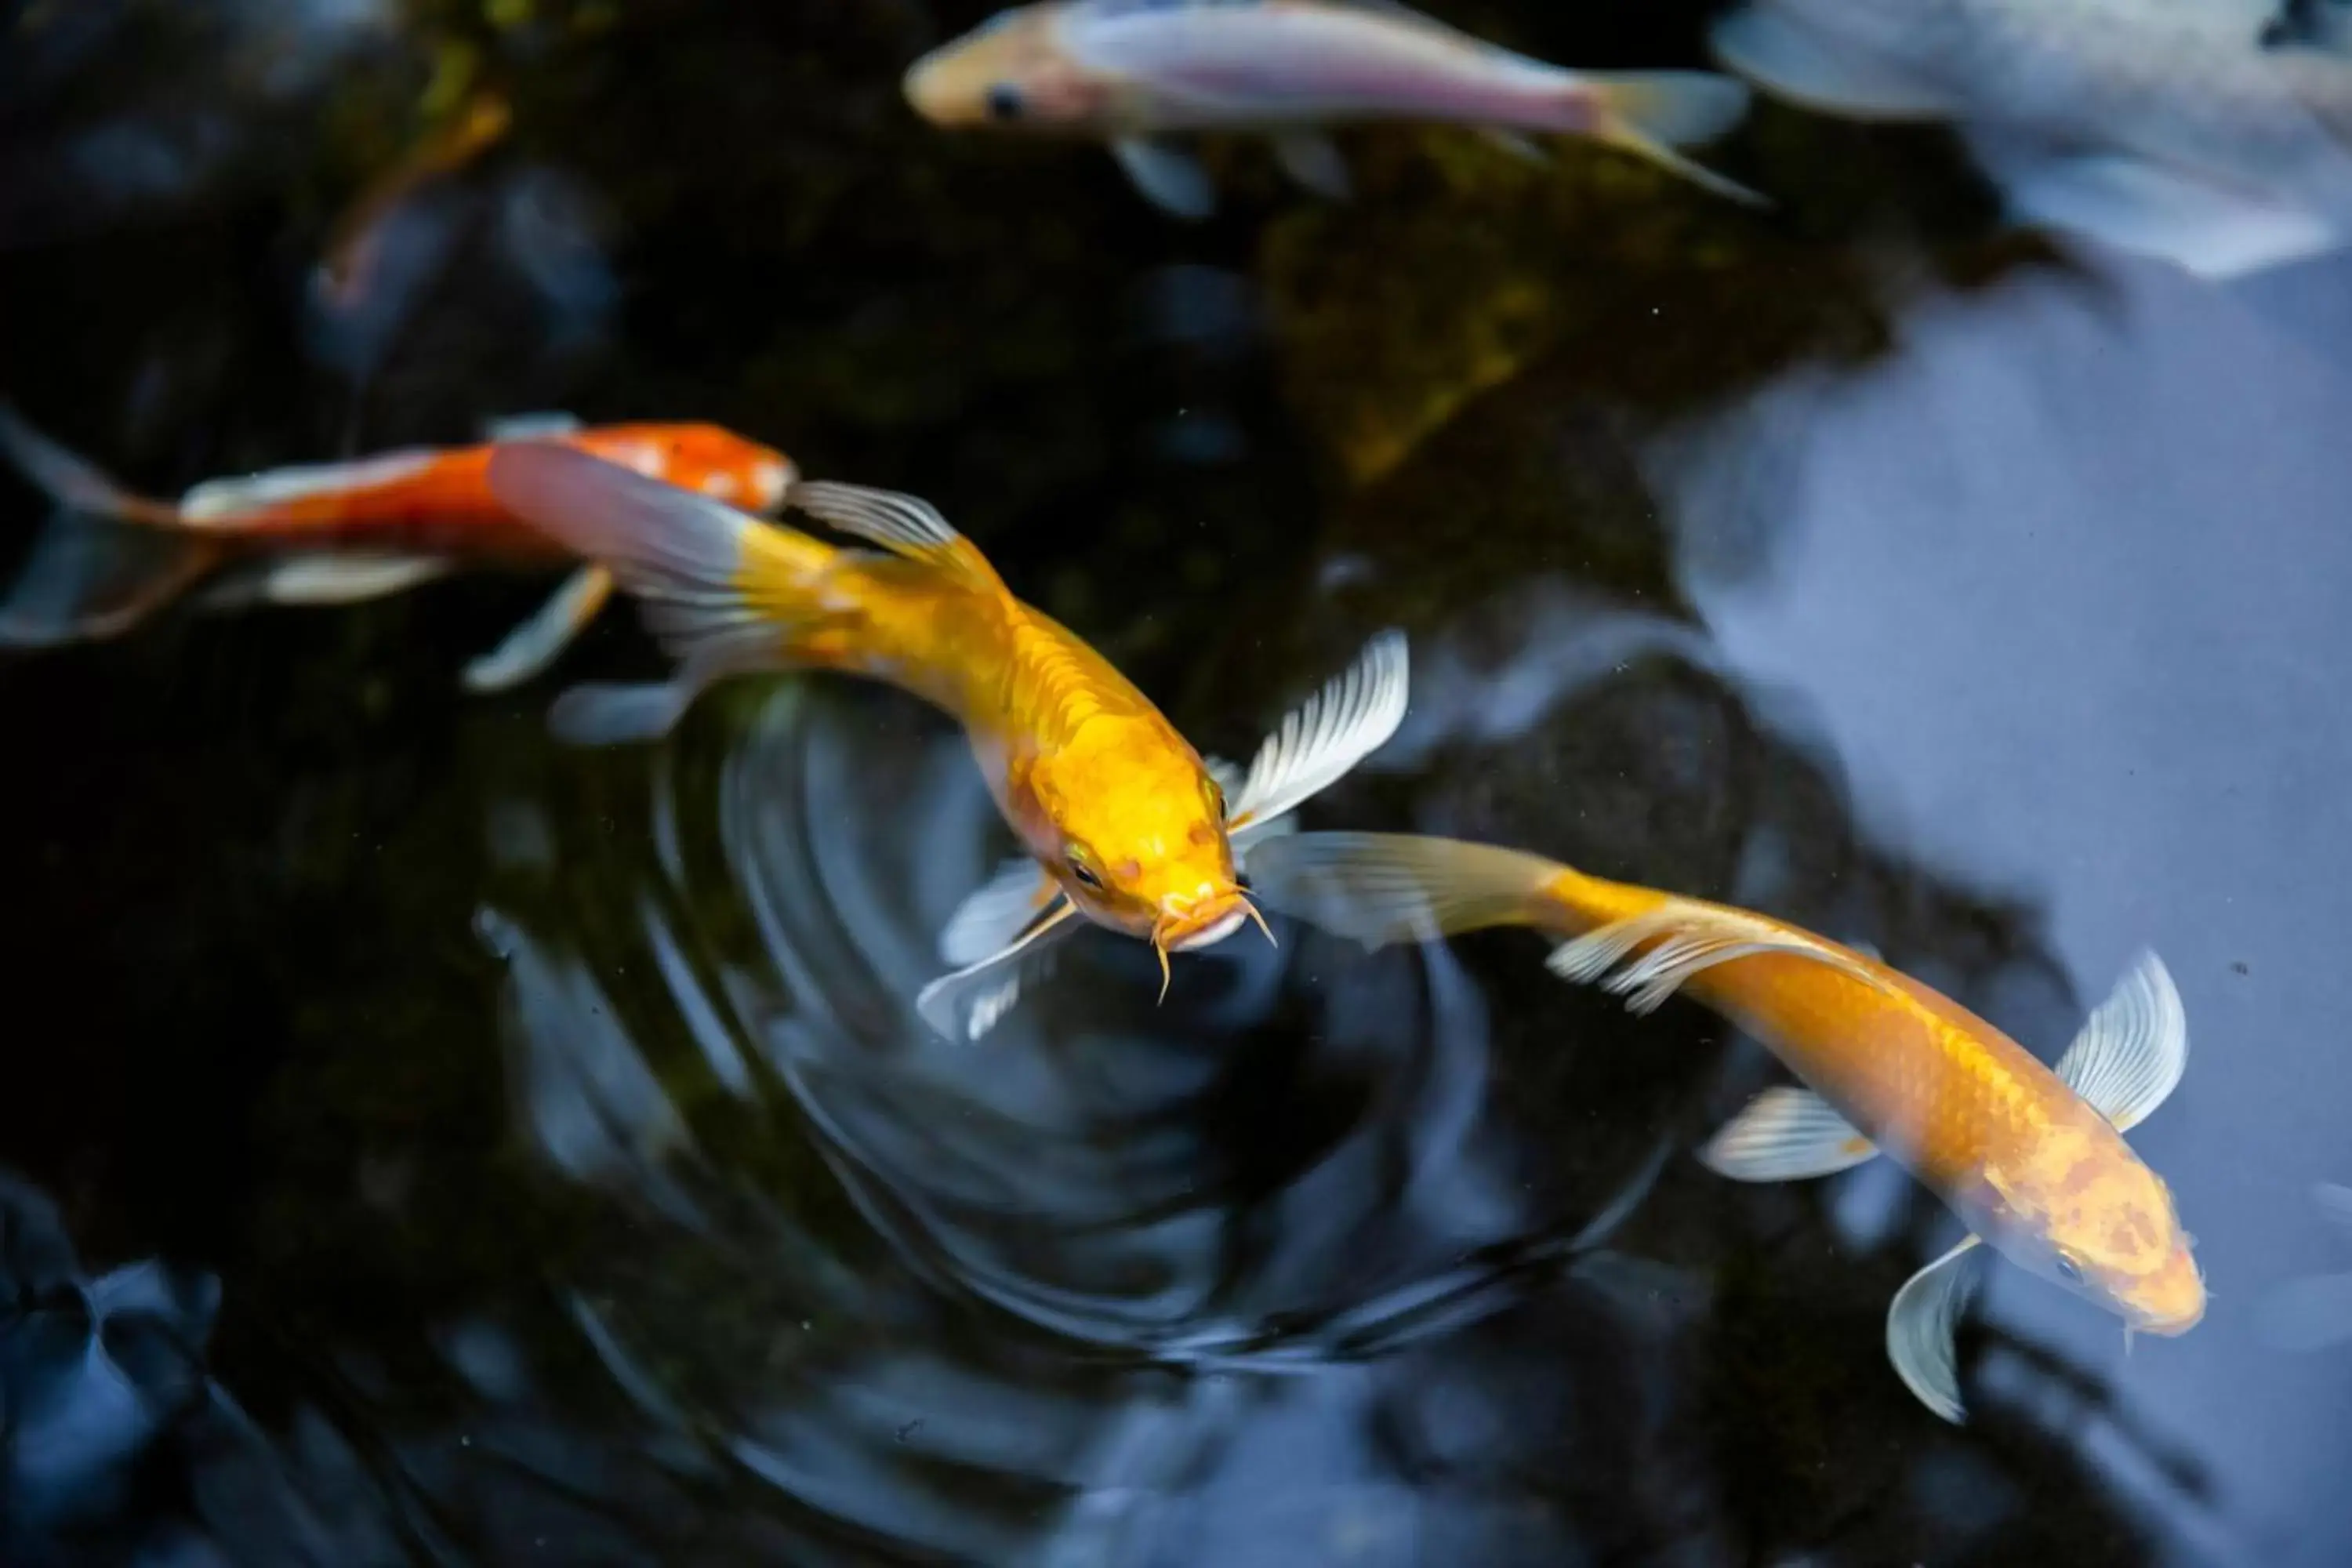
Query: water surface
{"x": 434, "y": 1145}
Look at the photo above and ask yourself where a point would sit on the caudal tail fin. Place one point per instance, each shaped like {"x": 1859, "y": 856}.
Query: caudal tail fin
{"x": 109, "y": 558}
{"x": 1651, "y": 113}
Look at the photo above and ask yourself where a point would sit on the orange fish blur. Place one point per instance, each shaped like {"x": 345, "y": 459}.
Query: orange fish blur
{"x": 340, "y": 533}
{"x": 1122, "y": 820}
{"x": 2032, "y": 1158}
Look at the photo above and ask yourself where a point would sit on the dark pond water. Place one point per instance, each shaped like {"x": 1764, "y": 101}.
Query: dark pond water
{"x": 430, "y": 1145}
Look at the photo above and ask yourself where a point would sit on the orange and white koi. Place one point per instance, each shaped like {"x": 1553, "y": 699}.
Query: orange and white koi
{"x": 1122, "y": 821}
{"x": 340, "y": 533}
{"x": 1133, "y": 71}
{"x": 2033, "y": 1159}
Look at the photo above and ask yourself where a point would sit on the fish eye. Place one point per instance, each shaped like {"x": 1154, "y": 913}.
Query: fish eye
{"x": 1214, "y": 794}
{"x": 2068, "y": 1268}
{"x": 1003, "y": 101}
{"x": 1086, "y": 874}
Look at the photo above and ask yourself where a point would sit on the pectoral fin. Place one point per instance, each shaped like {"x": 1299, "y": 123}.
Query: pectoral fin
{"x": 2209, "y": 228}
{"x": 2133, "y": 1050}
{"x": 1518, "y": 143}
{"x": 1786, "y": 1135}
{"x": 1172, "y": 181}
{"x": 1313, "y": 160}
{"x": 997, "y": 911}
{"x": 600, "y": 714}
{"x": 1920, "y": 1327}
{"x": 967, "y": 1004}
{"x": 540, "y": 641}
{"x": 1321, "y": 740}
{"x": 345, "y": 578}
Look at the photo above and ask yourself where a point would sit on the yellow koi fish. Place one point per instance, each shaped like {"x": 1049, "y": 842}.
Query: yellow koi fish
{"x": 1133, "y": 71}
{"x": 2032, "y": 1158}
{"x": 1122, "y": 821}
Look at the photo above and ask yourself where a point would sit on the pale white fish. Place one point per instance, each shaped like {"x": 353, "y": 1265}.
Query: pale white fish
{"x": 2166, "y": 127}
{"x": 1003, "y": 932}
{"x": 1134, "y": 72}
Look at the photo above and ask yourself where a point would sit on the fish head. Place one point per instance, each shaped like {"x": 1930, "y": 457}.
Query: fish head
{"x": 708, "y": 459}
{"x": 2087, "y": 1215}
{"x": 1011, "y": 73}
{"x": 1136, "y": 831}
{"x": 727, "y": 467}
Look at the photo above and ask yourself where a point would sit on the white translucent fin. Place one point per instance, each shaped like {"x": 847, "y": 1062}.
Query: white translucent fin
{"x": 1676, "y": 108}
{"x": 968, "y": 1002}
{"x": 1791, "y": 62}
{"x": 905, "y": 525}
{"x": 1649, "y": 115}
{"x": 1687, "y": 938}
{"x": 599, "y": 714}
{"x": 2132, "y": 1051}
{"x": 1172, "y": 181}
{"x": 543, "y": 426}
{"x": 1380, "y": 888}
{"x": 342, "y": 577}
{"x": 1920, "y": 1326}
{"x": 1313, "y": 160}
{"x": 1242, "y": 839}
{"x": 1349, "y": 718}
{"x": 230, "y": 500}
{"x": 2212, "y": 231}
{"x": 88, "y": 576}
{"x": 681, "y": 554}
{"x": 1518, "y": 143}
{"x": 538, "y": 642}
{"x": 997, "y": 911}
{"x": 1786, "y": 1135}
{"x": 72, "y": 481}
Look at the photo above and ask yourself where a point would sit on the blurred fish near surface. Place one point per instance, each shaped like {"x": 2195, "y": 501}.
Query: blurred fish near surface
{"x": 2164, "y": 126}
{"x": 1136, "y": 71}
{"x": 337, "y": 533}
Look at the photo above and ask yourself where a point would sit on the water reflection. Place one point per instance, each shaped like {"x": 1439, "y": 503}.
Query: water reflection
{"x": 1132, "y": 1226}
{"x": 2038, "y": 495}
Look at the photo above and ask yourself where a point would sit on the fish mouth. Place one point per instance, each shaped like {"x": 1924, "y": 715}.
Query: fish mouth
{"x": 770, "y": 478}
{"x": 2175, "y": 1302}
{"x": 2170, "y": 1325}
{"x": 1184, "y": 926}
{"x": 928, "y": 88}
{"x": 1208, "y": 935}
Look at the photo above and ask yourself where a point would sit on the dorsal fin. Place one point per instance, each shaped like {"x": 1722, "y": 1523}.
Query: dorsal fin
{"x": 905, "y": 525}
